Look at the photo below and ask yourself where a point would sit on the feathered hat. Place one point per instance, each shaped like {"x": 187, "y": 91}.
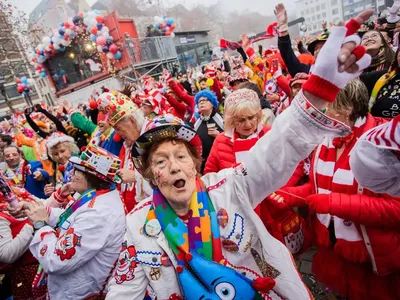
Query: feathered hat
{"x": 57, "y": 138}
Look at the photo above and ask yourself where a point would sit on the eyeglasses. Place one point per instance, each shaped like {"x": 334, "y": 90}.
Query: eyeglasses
{"x": 201, "y": 100}
{"x": 242, "y": 120}
{"x": 374, "y": 36}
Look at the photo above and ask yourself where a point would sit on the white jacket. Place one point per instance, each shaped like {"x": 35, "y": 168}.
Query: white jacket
{"x": 238, "y": 190}
{"x": 79, "y": 259}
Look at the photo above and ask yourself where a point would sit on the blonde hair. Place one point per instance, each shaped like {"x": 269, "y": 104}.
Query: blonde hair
{"x": 241, "y": 107}
{"x": 353, "y": 98}
{"x": 71, "y": 146}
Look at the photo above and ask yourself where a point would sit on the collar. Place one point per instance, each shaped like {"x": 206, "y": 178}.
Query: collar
{"x": 231, "y": 135}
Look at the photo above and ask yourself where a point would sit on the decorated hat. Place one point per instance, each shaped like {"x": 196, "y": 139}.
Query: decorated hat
{"x": 57, "y": 138}
{"x": 241, "y": 95}
{"x": 161, "y": 128}
{"x": 155, "y": 99}
{"x": 115, "y": 106}
{"x": 322, "y": 38}
{"x": 98, "y": 162}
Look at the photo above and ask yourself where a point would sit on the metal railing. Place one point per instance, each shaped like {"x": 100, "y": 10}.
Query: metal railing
{"x": 143, "y": 51}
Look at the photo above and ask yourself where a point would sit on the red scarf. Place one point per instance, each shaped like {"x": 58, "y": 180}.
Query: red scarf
{"x": 336, "y": 176}
{"x": 241, "y": 147}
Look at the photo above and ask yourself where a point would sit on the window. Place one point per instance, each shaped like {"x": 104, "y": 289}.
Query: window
{"x": 313, "y": 18}
{"x": 317, "y": 8}
{"x": 324, "y": 16}
{"x": 312, "y": 10}
{"x": 335, "y": 11}
{"x": 319, "y": 17}
{"x": 314, "y": 27}
{"x": 334, "y": 2}
{"x": 322, "y": 6}
{"x": 307, "y": 11}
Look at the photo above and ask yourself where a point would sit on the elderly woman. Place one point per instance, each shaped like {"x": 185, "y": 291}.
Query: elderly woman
{"x": 356, "y": 250}
{"x": 77, "y": 247}
{"x": 199, "y": 236}
{"x": 60, "y": 148}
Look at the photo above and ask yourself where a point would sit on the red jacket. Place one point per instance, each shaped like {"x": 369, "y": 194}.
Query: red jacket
{"x": 379, "y": 213}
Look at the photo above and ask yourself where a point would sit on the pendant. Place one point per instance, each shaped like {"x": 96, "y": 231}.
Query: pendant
{"x": 222, "y": 217}
{"x": 165, "y": 260}
{"x": 153, "y": 227}
{"x": 155, "y": 274}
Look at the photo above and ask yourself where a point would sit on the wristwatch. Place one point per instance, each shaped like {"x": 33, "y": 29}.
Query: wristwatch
{"x": 39, "y": 224}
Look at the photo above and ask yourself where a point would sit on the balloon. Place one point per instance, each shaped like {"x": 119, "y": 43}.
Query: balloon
{"x": 109, "y": 41}
{"x": 41, "y": 60}
{"x": 18, "y": 80}
{"x": 40, "y": 47}
{"x": 20, "y": 89}
{"x": 68, "y": 31}
{"x": 86, "y": 21}
{"x": 61, "y": 31}
{"x": 26, "y": 90}
{"x": 168, "y": 33}
{"x": 105, "y": 29}
{"x": 91, "y": 14}
{"x": 77, "y": 20}
{"x": 172, "y": 34}
{"x": 43, "y": 74}
{"x": 156, "y": 26}
{"x": 118, "y": 55}
{"x": 46, "y": 40}
{"x": 80, "y": 14}
{"x": 173, "y": 26}
{"x": 66, "y": 24}
{"x": 105, "y": 49}
{"x": 47, "y": 49}
{"x": 31, "y": 81}
{"x": 110, "y": 55}
{"x": 99, "y": 26}
{"x": 66, "y": 37}
{"x": 65, "y": 43}
{"x": 100, "y": 48}
{"x": 93, "y": 37}
{"x": 93, "y": 22}
{"x": 56, "y": 47}
{"x": 96, "y": 12}
{"x": 113, "y": 49}
{"x": 93, "y": 30}
{"x": 24, "y": 79}
{"x": 106, "y": 35}
{"x": 100, "y": 19}
{"x": 72, "y": 35}
{"x": 37, "y": 73}
{"x": 101, "y": 41}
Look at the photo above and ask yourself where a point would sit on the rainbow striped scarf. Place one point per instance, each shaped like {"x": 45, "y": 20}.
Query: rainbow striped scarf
{"x": 200, "y": 236}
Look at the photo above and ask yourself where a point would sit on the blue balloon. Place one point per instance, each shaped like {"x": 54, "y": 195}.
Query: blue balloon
{"x": 109, "y": 42}
{"x": 42, "y": 52}
{"x": 118, "y": 55}
{"x": 61, "y": 32}
{"x": 96, "y": 12}
{"x": 156, "y": 26}
{"x": 51, "y": 42}
{"x": 62, "y": 49}
{"x": 170, "y": 21}
{"x": 99, "y": 26}
{"x": 72, "y": 35}
{"x": 24, "y": 79}
{"x": 105, "y": 49}
{"x": 93, "y": 37}
{"x": 26, "y": 90}
{"x": 43, "y": 74}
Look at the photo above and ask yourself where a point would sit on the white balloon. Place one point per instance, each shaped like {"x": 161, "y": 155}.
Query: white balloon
{"x": 87, "y": 21}
{"x": 47, "y": 48}
{"x": 172, "y": 34}
{"x": 105, "y": 29}
{"x": 93, "y": 22}
{"x": 100, "y": 48}
{"x": 91, "y": 14}
{"x": 106, "y": 35}
{"x": 41, "y": 60}
{"x": 40, "y": 47}
{"x": 46, "y": 40}
{"x": 56, "y": 46}
{"x": 68, "y": 31}
{"x": 110, "y": 55}
{"x": 31, "y": 81}
{"x": 70, "y": 22}
{"x": 65, "y": 43}
{"x": 99, "y": 33}
{"x": 37, "y": 73}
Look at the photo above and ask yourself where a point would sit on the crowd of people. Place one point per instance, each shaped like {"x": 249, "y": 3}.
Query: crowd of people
{"x": 205, "y": 185}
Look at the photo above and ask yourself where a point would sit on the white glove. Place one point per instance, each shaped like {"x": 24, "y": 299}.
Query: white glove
{"x": 393, "y": 17}
{"x": 281, "y": 17}
{"x": 326, "y": 81}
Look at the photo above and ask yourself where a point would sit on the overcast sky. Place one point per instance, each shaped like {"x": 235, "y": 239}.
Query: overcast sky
{"x": 263, "y": 6}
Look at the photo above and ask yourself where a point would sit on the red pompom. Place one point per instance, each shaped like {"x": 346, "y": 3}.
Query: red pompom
{"x": 188, "y": 256}
{"x": 61, "y": 168}
{"x": 264, "y": 284}
{"x": 117, "y": 138}
{"x": 179, "y": 269}
{"x": 93, "y": 104}
{"x": 83, "y": 149}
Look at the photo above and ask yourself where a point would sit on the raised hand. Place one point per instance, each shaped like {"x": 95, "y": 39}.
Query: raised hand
{"x": 281, "y": 17}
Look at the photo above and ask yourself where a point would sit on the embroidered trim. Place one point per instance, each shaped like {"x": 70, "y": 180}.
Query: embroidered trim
{"x": 234, "y": 228}
{"x": 215, "y": 186}
{"x": 230, "y": 265}
{"x": 43, "y": 234}
{"x": 156, "y": 255}
{"x": 91, "y": 203}
{"x": 140, "y": 207}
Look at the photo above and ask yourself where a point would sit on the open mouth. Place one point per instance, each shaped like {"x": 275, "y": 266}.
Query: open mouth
{"x": 179, "y": 184}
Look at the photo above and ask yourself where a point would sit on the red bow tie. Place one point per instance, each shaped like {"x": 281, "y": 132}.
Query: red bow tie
{"x": 340, "y": 141}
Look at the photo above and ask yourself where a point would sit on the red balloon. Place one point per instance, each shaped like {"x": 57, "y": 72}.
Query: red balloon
{"x": 100, "y": 19}
{"x": 80, "y": 14}
{"x": 20, "y": 89}
{"x": 93, "y": 104}
{"x": 113, "y": 49}
{"x": 18, "y": 80}
{"x": 93, "y": 30}
{"x": 66, "y": 37}
{"x": 66, "y": 24}
{"x": 34, "y": 59}
{"x": 51, "y": 46}
{"x": 168, "y": 33}
{"x": 37, "y": 68}
{"x": 172, "y": 26}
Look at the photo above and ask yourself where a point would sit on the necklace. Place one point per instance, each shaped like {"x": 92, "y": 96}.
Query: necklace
{"x": 18, "y": 175}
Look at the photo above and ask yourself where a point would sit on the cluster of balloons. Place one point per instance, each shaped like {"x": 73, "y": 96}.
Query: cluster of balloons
{"x": 24, "y": 85}
{"x": 91, "y": 23}
{"x": 165, "y": 25}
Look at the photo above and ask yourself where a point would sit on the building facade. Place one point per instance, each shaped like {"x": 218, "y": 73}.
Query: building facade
{"x": 351, "y": 8}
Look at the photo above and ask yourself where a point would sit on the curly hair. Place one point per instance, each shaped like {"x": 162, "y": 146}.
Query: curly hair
{"x": 209, "y": 95}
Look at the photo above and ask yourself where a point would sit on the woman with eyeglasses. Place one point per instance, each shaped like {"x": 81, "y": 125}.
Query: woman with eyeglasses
{"x": 380, "y": 51}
